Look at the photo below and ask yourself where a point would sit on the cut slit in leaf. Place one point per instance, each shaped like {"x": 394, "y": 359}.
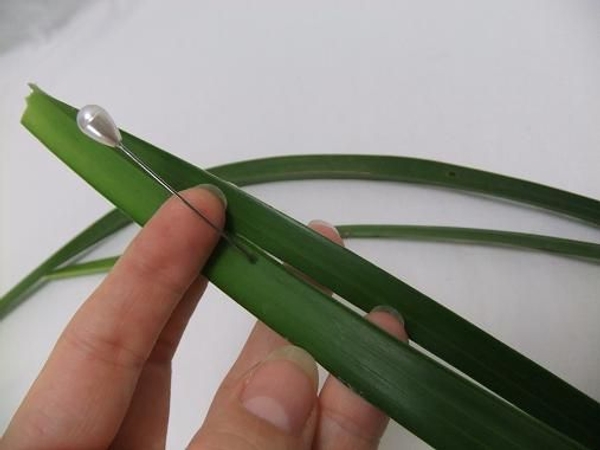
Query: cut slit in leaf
{"x": 429, "y": 324}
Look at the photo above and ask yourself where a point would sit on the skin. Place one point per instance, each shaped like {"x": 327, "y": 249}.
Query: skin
{"x": 107, "y": 381}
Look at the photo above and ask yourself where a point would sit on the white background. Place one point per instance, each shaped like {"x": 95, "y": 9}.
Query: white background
{"x": 509, "y": 86}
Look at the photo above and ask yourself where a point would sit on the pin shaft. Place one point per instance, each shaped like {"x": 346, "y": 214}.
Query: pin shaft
{"x": 97, "y": 124}
{"x": 123, "y": 149}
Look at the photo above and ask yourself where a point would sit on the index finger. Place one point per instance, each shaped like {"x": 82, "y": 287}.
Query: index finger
{"x": 84, "y": 390}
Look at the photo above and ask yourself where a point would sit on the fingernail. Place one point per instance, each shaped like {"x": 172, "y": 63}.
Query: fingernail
{"x": 216, "y": 191}
{"x": 389, "y": 310}
{"x": 282, "y": 389}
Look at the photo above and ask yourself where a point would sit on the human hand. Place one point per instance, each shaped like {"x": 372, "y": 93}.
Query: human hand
{"x": 107, "y": 381}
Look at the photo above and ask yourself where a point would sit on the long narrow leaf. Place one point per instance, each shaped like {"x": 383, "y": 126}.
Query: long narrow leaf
{"x": 112, "y": 222}
{"x": 86, "y": 268}
{"x": 439, "y": 406}
{"x": 413, "y": 170}
{"x": 564, "y": 247}
{"x": 387, "y": 168}
{"x": 402, "y": 169}
{"x": 511, "y": 239}
{"x": 433, "y": 326}
{"x": 439, "y": 330}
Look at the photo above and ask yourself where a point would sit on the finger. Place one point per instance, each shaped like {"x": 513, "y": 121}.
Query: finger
{"x": 84, "y": 390}
{"x": 145, "y": 424}
{"x": 347, "y": 420}
{"x": 272, "y": 406}
{"x": 261, "y": 343}
{"x": 327, "y": 230}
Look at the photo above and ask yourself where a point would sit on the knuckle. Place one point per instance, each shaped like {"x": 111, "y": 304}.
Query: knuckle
{"x": 362, "y": 437}
{"x": 224, "y": 439}
{"x": 159, "y": 269}
{"x": 105, "y": 348}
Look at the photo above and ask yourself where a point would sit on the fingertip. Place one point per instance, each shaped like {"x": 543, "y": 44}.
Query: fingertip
{"x": 327, "y": 230}
{"x": 282, "y": 389}
{"x": 218, "y": 193}
{"x": 390, "y": 320}
{"x": 300, "y": 357}
{"x": 272, "y": 406}
{"x": 208, "y": 199}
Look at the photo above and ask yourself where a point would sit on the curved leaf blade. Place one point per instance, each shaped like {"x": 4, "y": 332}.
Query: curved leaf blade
{"x": 558, "y": 246}
{"x": 106, "y": 225}
{"x": 412, "y": 170}
{"x": 509, "y": 239}
{"x": 249, "y": 217}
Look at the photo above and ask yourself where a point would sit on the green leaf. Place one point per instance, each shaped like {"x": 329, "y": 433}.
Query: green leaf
{"x": 564, "y": 247}
{"x": 110, "y": 223}
{"x": 386, "y": 168}
{"x": 412, "y": 170}
{"x": 86, "y": 268}
{"x": 439, "y": 406}
{"x": 511, "y": 239}
{"x": 369, "y": 167}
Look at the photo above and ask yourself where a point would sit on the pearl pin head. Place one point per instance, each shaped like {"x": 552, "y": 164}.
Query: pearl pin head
{"x": 96, "y": 123}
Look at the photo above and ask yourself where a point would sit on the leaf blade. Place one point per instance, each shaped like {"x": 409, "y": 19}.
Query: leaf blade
{"x": 412, "y": 170}
{"x": 242, "y": 207}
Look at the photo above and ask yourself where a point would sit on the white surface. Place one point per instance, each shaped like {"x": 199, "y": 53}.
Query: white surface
{"x": 505, "y": 86}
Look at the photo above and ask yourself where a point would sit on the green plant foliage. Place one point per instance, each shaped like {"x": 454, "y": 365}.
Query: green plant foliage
{"x": 565, "y": 247}
{"x": 442, "y": 408}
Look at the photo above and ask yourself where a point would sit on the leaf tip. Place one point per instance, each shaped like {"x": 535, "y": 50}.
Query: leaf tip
{"x": 34, "y": 87}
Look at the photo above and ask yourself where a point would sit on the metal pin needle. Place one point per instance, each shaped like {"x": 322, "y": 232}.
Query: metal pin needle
{"x": 97, "y": 124}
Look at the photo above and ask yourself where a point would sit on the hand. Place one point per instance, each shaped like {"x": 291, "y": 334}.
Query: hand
{"x": 107, "y": 381}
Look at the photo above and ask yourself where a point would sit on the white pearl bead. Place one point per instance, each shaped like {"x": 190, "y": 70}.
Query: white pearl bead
{"x": 96, "y": 123}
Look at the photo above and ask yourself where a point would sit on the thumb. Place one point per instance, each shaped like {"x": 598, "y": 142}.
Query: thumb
{"x": 272, "y": 406}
